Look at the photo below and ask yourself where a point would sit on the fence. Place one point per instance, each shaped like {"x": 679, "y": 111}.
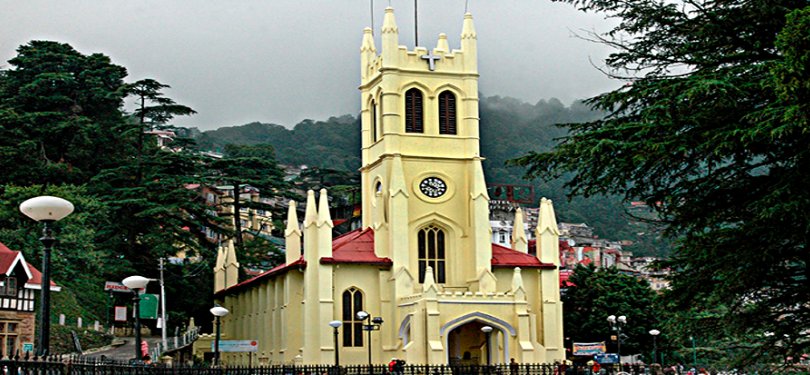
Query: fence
{"x": 73, "y": 365}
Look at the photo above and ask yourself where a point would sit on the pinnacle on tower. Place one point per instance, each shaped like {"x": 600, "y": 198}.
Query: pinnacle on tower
{"x": 390, "y": 38}
{"x": 519, "y": 241}
{"x": 311, "y": 214}
{"x": 442, "y": 44}
{"x": 292, "y": 235}
{"x": 324, "y": 217}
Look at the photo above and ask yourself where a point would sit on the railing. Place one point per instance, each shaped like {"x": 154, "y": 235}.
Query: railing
{"x": 74, "y": 365}
{"x": 176, "y": 342}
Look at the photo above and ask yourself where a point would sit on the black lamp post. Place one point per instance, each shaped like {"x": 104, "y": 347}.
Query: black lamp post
{"x": 374, "y": 325}
{"x": 136, "y": 284}
{"x": 488, "y": 334}
{"x": 218, "y": 311}
{"x": 616, "y": 324}
{"x": 654, "y": 333}
{"x": 335, "y": 324}
{"x": 46, "y": 209}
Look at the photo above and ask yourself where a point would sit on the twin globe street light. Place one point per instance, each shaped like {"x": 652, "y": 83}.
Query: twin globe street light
{"x": 373, "y": 325}
{"x": 47, "y": 210}
{"x": 616, "y": 324}
{"x": 335, "y": 324}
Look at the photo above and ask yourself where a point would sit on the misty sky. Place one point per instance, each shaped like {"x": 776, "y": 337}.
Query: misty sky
{"x": 282, "y": 61}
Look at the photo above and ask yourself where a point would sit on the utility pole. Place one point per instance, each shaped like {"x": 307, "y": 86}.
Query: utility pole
{"x": 162, "y": 306}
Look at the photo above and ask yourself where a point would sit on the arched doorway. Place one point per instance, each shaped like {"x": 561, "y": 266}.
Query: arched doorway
{"x": 466, "y": 345}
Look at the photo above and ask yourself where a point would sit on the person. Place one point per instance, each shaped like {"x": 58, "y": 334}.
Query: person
{"x": 513, "y": 367}
{"x": 147, "y": 360}
{"x": 596, "y": 368}
{"x": 392, "y": 365}
{"x": 399, "y": 367}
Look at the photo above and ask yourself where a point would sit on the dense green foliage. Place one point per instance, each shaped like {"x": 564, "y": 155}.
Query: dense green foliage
{"x": 596, "y": 294}
{"x": 63, "y": 132}
{"x": 711, "y": 130}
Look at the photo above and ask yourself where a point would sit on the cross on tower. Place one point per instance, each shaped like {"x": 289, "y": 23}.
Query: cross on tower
{"x": 431, "y": 59}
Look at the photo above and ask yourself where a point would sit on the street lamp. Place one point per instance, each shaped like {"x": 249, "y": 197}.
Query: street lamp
{"x": 218, "y": 311}
{"x": 335, "y": 324}
{"x": 46, "y": 209}
{"x": 488, "y": 333}
{"x": 654, "y": 333}
{"x": 374, "y": 325}
{"x": 616, "y": 324}
{"x": 694, "y": 351}
{"x": 136, "y": 284}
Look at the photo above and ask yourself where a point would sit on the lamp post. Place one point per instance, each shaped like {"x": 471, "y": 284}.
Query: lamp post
{"x": 655, "y": 333}
{"x": 373, "y": 324}
{"x": 694, "y": 351}
{"x": 218, "y": 312}
{"x": 47, "y": 210}
{"x": 335, "y": 324}
{"x": 616, "y": 324}
{"x": 136, "y": 284}
{"x": 488, "y": 334}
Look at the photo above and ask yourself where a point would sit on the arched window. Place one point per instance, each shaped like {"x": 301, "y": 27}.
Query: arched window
{"x": 352, "y": 327}
{"x": 447, "y": 113}
{"x": 373, "y": 121}
{"x": 413, "y": 111}
{"x": 430, "y": 241}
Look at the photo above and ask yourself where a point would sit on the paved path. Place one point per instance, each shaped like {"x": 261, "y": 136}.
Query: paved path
{"x": 123, "y": 352}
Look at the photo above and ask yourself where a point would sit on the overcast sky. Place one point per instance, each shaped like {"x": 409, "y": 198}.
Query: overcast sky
{"x": 283, "y": 61}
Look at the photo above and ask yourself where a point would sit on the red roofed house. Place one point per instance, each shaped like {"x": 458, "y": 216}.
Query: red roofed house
{"x": 18, "y": 281}
{"x": 423, "y": 260}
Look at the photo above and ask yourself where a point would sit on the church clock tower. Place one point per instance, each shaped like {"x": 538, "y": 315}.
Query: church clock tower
{"x": 424, "y": 192}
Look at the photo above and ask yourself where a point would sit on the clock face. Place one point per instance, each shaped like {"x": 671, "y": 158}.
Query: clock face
{"x": 433, "y": 187}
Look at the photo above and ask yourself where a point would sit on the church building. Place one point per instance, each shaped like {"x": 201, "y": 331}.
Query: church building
{"x": 422, "y": 267}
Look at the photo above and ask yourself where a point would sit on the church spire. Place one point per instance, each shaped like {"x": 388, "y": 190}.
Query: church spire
{"x": 292, "y": 235}
{"x": 367, "y": 51}
{"x": 547, "y": 234}
{"x": 519, "y": 241}
{"x": 324, "y": 217}
{"x": 390, "y": 38}
{"x": 469, "y": 43}
{"x": 311, "y": 213}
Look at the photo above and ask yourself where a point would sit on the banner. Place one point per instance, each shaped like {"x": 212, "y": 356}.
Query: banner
{"x": 237, "y": 346}
{"x": 589, "y": 348}
{"x": 606, "y": 358}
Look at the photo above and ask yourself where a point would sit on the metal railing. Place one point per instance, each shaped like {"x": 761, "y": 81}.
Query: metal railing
{"x": 174, "y": 343}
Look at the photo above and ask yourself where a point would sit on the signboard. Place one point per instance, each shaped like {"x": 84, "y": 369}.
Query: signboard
{"x": 589, "y": 348}
{"x": 120, "y": 313}
{"x": 28, "y": 347}
{"x": 245, "y": 346}
{"x": 115, "y": 286}
{"x": 149, "y": 306}
{"x": 606, "y": 358}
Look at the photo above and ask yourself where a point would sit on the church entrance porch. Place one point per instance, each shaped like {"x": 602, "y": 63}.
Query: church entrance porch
{"x": 467, "y": 345}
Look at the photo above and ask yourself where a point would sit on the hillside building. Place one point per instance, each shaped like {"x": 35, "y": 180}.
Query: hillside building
{"x": 423, "y": 260}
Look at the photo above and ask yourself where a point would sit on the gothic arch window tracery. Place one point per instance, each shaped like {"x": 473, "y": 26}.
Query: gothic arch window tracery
{"x": 430, "y": 242}
{"x": 414, "y": 112}
{"x": 447, "y": 113}
{"x": 352, "y": 327}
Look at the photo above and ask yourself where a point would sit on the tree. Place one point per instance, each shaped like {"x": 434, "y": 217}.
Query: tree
{"x": 596, "y": 294}
{"x": 59, "y": 113}
{"x": 253, "y": 165}
{"x": 711, "y": 130}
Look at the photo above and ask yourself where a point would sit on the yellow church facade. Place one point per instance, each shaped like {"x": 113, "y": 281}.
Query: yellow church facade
{"x": 423, "y": 261}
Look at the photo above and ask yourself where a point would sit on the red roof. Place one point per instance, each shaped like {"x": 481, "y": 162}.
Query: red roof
{"x": 8, "y": 259}
{"x": 282, "y": 268}
{"x": 506, "y": 257}
{"x": 357, "y": 247}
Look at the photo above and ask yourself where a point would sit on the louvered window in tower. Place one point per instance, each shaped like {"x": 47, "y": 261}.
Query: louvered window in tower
{"x": 373, "y": 121}
{"x": 413, "y": 111}
{"x": 447, "y": 113}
